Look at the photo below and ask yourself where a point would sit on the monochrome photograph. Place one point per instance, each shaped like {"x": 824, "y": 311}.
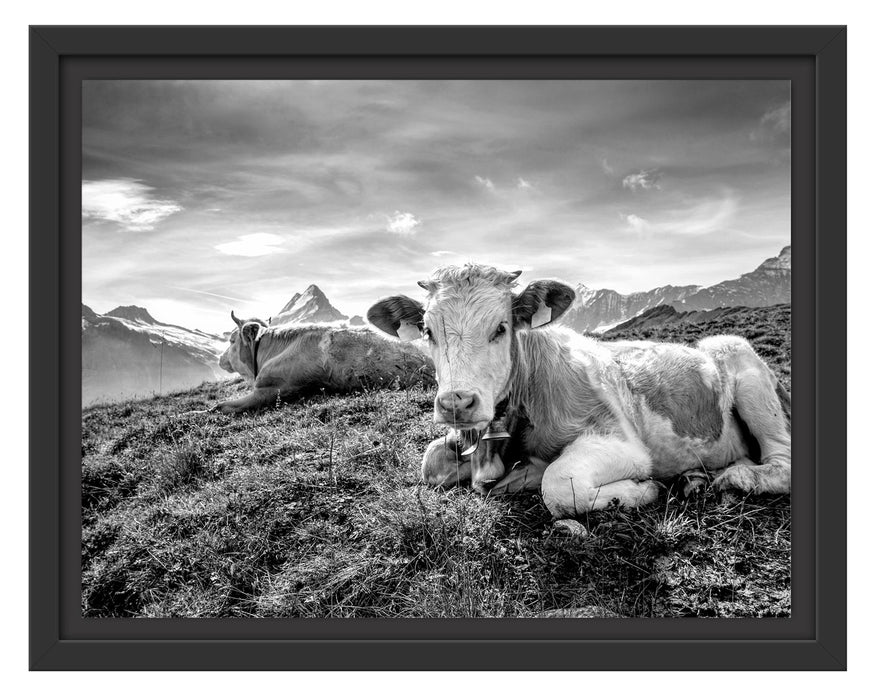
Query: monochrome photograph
{"x": 436, "y": 348}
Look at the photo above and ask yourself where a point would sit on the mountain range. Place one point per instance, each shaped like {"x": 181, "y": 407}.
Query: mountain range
{"x": 597, "y": 310}
{"x": 126, "y": 353}
{"x": 601, "y": 309}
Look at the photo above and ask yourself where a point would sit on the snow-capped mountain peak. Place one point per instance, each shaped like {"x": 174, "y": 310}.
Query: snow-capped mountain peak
{"x": 312, "y": 306}
{"x": 132, "y": 313}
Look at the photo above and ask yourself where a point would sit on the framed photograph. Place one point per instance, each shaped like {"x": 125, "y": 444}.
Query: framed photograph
{"x": 437, "y": 348}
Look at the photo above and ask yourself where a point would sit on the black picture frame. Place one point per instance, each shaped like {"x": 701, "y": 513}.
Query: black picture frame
{"x": 812, "y": 57}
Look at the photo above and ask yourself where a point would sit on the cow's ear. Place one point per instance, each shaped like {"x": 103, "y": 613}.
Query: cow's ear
{"x": 250, "y": 331}
{"x": 398, "y": 316}
{"x": 542, "y": 302}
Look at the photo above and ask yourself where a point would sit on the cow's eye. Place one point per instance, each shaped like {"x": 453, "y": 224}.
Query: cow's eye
{"x": 499, "y": 332}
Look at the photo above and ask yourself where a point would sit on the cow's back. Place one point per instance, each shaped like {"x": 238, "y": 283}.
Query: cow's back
{"x": 360, "y": 358}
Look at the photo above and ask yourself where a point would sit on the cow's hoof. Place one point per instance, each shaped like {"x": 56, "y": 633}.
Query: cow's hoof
{"x": 569, "y": 528}
{"x": 690, "y": 486}
{"x": 736, "y": 478}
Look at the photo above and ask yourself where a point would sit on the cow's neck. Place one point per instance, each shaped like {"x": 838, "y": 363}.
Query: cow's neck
{"x": 557, "y": 399}
{"x": 531, "y": 384}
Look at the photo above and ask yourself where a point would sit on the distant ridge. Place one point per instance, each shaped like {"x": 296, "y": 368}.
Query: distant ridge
{"x": 88, "y": 314}
{"x": 667, "y": 317}
{"x": 596, "y": 309}
{"x": 132, "y": 313}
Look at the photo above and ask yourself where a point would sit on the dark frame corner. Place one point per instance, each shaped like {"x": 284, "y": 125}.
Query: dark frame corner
{"x": 813, "y": 57}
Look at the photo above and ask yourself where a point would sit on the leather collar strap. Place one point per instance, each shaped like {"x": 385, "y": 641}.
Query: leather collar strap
{"x": 254, "y": 353}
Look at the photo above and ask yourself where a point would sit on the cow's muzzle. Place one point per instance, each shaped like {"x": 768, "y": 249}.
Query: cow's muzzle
{"x": 458, "y": 408}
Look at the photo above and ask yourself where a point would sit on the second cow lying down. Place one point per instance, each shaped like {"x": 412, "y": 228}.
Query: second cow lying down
{"x": 289, "y": 361}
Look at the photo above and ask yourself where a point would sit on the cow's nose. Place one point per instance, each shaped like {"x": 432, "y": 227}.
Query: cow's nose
{"x": 457, "y": 402}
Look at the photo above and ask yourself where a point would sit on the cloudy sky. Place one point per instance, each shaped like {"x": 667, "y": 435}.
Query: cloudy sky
{"x": 202, "y": 196}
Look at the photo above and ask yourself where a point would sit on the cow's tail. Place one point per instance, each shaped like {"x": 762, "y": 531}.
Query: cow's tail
{"x": 785, "y": 403}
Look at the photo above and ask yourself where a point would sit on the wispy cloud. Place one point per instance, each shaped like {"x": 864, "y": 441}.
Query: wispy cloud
{"x": 403, "y": 223}
{"x": 706, "y": 217}
{"x": 643, "y": 180}
{"x": 252, "y": 245}
{"x": 485, "y": 182}
{"x": 524, "y": 184}
{"x": 442, "y": 253}
{"x": 211, "y": 294}
{"x": 607, "y": 169}
{"x": 126, "y": 202}
{"x": 703, "y": 218}
{"x": 779, "y": 119}
{"x": 776, "y": 123}
{"x": 636, "y": 224}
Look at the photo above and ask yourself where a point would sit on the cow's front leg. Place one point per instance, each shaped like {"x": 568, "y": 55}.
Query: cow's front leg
{"x": 595, "y": 470}
{"x": 525, "y": 476}
{"x": 443, "y": 465}
{"x": 261, "y": 396}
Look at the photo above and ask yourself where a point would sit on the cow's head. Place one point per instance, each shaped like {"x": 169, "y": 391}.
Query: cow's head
{"x": 468, "y": 324}
{"x": 240, "y": 355}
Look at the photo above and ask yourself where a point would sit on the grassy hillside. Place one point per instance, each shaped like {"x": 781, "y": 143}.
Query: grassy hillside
{"x": 315, "y": 509}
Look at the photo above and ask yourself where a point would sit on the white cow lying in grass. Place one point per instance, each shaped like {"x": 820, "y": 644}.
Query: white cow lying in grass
{"x": 289, "y": 361}
{"x": 590, "y": 422}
